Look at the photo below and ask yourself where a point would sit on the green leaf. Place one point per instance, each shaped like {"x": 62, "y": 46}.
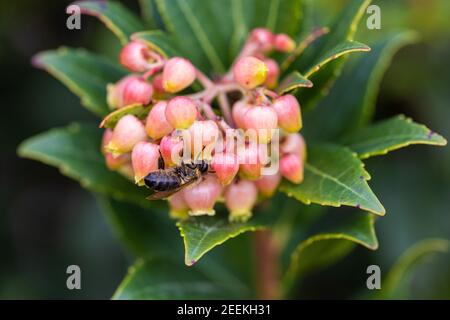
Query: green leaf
{"x": 292, "y": 82}
{"x": 149, "y": 13}
{"x": 159, "y": 41}
{"x": 325, "y": 248}
{"x": 137, "y": 110}
{"x": 75, "y": 150}
{"x": 202, "y": 28}
{"x": 146, "y": 232}
{"x": 346, "y": 110}
{"x": 334, "y": 53}
{"x": 201, "y": 234}
{"x": 114, "y": 15}
{"x": 341, "y": 32}
{"x": 84, "y": 73}
{"x": 334, "y": 176}
{"x": 395, "y": 284}
{"x": 197, "y": 26}
{"x": 163, "y": 278}
{"x": 391, "y": 134}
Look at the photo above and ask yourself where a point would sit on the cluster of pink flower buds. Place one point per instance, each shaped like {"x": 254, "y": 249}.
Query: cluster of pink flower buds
{"x": 177, "y": 123}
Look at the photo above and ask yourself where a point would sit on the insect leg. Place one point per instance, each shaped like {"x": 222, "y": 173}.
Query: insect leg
{"x": 161, "y": 164}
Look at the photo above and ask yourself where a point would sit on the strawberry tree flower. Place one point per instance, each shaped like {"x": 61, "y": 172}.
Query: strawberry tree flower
{"x": 178, "y": 74}
{"x": 156, "y": 123}
{"x": 144, "y": 158}
{"x": 240, "y": 197}
{"x": 188, "y": 127}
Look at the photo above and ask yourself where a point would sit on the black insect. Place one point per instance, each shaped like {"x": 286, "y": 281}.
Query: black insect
{"x": 165, "y": 182}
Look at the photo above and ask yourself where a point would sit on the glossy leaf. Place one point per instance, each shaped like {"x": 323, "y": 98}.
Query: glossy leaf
{"x": 336, "y": 52}
{"x": 292, "y": 82}
{"x": 150, "y": 15}
{"x": 159, "y": 41}
{"x": 84, "y": 73}
{"x": 196, "y": 26}
{"x": 334, "y": 176}
{"x": 324, "y": 248}
{"x": 75, "y": 151}
{"x": 163, "y": 278}
{"x": 391, "y": 134}
{"x": 202, "y": 28}
{"x": 342, "y": 30}
{"x": 146, "y": 232}
{"x": 351, "y": 101}
{"x": 114, "y": 15}
{"x": 201, "y": 234}
{"x": 137, "y": 110}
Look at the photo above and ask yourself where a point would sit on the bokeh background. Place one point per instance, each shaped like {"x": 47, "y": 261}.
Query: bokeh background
{"x": 48, "y": 221}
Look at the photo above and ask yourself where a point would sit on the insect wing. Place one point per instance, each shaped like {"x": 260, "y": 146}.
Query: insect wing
{"x": 158, "y": 195}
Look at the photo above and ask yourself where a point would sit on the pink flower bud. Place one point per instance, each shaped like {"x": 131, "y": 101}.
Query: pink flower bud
{"x": 294, "y": 143}
{"x": 250, "y": 72}
{"x": 284, "y": 43}
{"x": 135, "y": 56}
{"x": 181, "y": 112}
{"x": 203, "y": 133}
{"x": 267, "y": 185}
{"x": 263, "y": 37}
{"x": 272, "y": 74}
{"x": 249, "y": 162}
{"x": 106, "y": 138}
{"x": 239, "y": 109}
{"x": 115, "y": 163}
{"x": 170, "y": 148}
{"x": 127, "y": 133}
{"x": 263, "y": 120}
{"x": 126, "y": 170}
{"x": 144, "y": 158}
{"x": 288, "y": 112}
{"x": 178, "y": 74}
{"x": 226, "y": 166}
{"x": 201, "y": 197}
{"x": 114, "y": 96}
{"x": 240, "y": 197}
{"x": 178, "y": 206}
{"x": 137, "y": 90}
{"x": 291, "y": 167}
{"x": 156, "y": 124}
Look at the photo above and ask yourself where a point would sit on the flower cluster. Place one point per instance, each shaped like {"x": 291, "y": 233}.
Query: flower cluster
{"x": 237, "y": 123}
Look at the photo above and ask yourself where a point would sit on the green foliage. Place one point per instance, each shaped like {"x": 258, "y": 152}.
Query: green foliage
{"x": 324, "y": 248}
{"x": 137, "y": 110}
{"x": 391, "y": 134}
{"x": 201, "y": 234}
{"x": 84, "y": 73}
{"x": 164, "y": 278}
{"x": 210, "y": 34}
{"x": 115, "y": 16}
{"x": 75, "y": 151}
{"x": 292, "y": 82}
{"x": 334, "y": 176}
{"x": 145, "y": 231}
{"x": 361, "y": 80}
{"x": 396, "y": 283}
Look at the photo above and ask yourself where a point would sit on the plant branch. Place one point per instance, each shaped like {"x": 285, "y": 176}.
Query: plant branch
{"x": 267, "y": 265}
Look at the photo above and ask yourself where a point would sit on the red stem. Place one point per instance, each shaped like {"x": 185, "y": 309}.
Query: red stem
{"x": 267, "y": 256}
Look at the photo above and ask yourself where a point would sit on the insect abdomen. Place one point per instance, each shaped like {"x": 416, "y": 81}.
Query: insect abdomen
{"x": 161, "y": 181}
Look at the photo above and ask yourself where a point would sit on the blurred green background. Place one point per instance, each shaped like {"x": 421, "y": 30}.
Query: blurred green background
{"x": 48, "y": 222}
